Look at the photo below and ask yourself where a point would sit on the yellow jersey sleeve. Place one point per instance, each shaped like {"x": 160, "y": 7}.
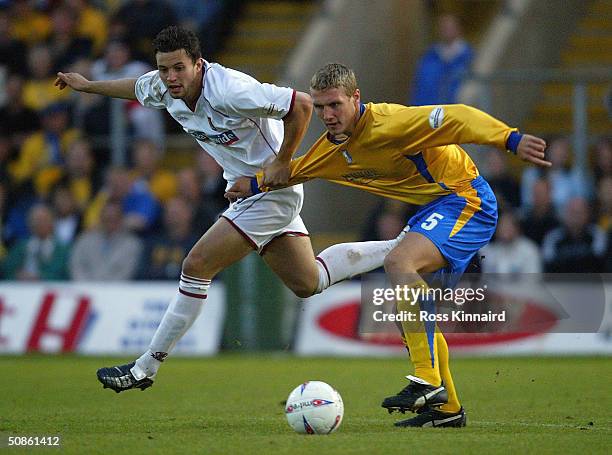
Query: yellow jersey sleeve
{"x": 433, "y": 126}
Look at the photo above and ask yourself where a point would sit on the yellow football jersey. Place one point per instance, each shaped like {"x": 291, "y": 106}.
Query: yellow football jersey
{"x": 405, "y": 153}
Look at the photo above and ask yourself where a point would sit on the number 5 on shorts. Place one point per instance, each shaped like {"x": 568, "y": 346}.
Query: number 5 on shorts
{"x": 431, "y": 221}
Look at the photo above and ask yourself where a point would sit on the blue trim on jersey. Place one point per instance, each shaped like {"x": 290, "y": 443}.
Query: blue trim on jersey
{"x": 513, "y": 141}
{"x": 254, "y": 186}
{"x": 421, "y": 166}
{"x": 362, "y": 108}
{"x": 429, "y": 306}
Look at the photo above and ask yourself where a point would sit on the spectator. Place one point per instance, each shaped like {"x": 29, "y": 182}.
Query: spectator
{"x": 139, "y": 21}
{"x": 511, "y": 253}
{"x": 212, "y": 183}
{"x": 206, "y": 211}
{"x": 17, "y": 120}
{"x": 38, "y": 90}
{"x": 603, "y": 159}
{"x": 164, "y": 253}
{"x": 161, "y": 182}
{"x": 79, "y": 173}
{"x": 577, "y": 246}
{"x": 604, "y": 204}
{"x": 504, "y": 185}
{"x": 441, "y": 70}
{"x": 386, "y": 220}
{"x": 91, "y": 23}
{"x": 41, "y": 256}
{"x": 42, "y": 154}
{"x": 565, "y": 183}
{"x": 107, "y": 253}
{"x": 6, "y": 152}
{"x": 17, "y": 202}
{"x": 67, "y": 215}
{"x": 28, "y": 24}
{"x": 64, "y": 42}
{"x": 117, "y": 63}
{"x": 203, "y": 18}
{"x": 12, "y": 50}
{"x": 140, "y": 208}
{"x": 541, "y": 218}
{"x": 18, "y": 205}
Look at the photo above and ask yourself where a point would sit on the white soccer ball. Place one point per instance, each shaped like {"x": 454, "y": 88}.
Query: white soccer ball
{"x": 314, "y": 407}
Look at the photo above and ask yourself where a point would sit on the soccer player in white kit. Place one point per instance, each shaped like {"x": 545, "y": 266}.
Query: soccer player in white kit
{"x": 245, "y": 126}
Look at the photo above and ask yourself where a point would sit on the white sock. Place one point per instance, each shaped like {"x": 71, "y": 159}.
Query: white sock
{"x": 346, "y": 260}
{"x": 180, "y": 315}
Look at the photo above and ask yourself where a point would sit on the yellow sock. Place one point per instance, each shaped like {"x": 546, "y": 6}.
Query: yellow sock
{"x": 453, "y": 404}
{"x": 420, "y": 340}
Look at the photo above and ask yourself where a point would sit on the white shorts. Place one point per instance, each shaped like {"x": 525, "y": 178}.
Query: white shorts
{"x": 265, "y": 216}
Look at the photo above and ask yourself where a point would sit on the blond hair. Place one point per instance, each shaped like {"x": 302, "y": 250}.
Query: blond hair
{"x": 334, "y": 75}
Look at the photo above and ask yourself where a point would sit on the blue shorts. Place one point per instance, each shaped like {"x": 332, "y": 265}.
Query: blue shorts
{"x": 459, "y": 224}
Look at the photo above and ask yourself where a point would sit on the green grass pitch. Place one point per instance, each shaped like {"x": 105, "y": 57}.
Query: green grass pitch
{"x": 231, "y": 404}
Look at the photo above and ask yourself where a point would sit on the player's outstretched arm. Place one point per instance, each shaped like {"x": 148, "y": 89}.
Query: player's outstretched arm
{"x": 531, "y": 149}
{"x": 118, "y": 88}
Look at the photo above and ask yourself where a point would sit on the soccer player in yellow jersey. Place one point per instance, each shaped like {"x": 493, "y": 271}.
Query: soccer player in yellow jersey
{"x": 410, "y": 154}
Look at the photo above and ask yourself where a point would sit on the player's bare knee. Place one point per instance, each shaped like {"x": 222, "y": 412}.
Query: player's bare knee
{"x": 194, "y": 264}
{"x": 303, "y": 293}
{"x": 396, "y": 264}
{"x": 303, "y": 288}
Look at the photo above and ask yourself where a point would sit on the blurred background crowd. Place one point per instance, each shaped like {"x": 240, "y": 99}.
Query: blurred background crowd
{"x": 69, "y": 210}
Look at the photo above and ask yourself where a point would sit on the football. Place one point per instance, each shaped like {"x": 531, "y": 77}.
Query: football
{"x": 314, "y": 407}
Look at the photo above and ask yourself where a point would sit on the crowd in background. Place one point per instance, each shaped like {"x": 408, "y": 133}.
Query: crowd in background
{"x": 67, "y": 212}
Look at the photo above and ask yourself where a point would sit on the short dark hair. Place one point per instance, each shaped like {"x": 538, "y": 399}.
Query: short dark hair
{"x": 174, "y": 38}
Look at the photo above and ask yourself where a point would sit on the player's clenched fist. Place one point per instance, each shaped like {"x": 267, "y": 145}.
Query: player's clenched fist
{"x": 73, "y": 80}
{"x": 276, "y": 174}
{"x": 531, "y": 149}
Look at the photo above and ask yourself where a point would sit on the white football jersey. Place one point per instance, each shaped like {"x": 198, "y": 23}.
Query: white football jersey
{"x": 237, "y": 119}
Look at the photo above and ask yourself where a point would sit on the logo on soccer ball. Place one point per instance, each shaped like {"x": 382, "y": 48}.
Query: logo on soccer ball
{"x": 318, "y": 402}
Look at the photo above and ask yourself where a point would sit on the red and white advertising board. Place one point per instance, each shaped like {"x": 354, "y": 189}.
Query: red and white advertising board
{"x": 329, "y": 325}
{"x": 99, "y": 318}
